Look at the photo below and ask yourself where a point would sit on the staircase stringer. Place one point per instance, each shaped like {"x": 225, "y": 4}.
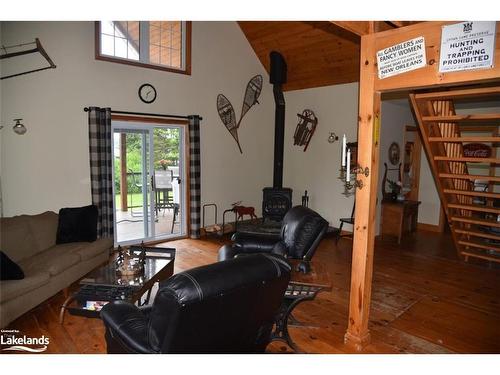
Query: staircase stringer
{"x": 435, "y": 129}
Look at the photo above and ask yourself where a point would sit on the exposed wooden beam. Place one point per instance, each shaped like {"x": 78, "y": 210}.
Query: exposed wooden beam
{"x": 357, "y": 333}
{"x": 357, "y": 27}
{"x": 367, "y": 27}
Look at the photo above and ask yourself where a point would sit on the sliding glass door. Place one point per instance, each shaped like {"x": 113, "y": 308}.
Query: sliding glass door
{"x": 148, "y": 181}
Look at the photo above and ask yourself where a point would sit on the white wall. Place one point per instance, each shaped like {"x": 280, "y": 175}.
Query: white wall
{"x": 430, "y": 208}
{"x": 48, "y": 167}
{"x": 317, "y": 169}
{"x": 395, "y": 115}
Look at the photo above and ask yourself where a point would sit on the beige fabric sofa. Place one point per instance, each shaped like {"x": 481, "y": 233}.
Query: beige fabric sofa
{"x": 30, "y": 241}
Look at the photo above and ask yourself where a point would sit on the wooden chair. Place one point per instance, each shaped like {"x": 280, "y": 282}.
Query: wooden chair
{"x": 346, "y": 220}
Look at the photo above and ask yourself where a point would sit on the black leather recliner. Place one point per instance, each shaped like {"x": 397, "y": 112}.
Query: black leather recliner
{"x": 301, "y": 232}
{"x": 225, "y": 307}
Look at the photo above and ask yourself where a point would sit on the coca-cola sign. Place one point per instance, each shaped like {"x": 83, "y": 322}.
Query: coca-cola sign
{"x": 477, "y": 150}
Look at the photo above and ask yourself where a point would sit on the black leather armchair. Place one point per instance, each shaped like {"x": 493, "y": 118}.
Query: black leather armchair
{"x": 301, "y": 232}
{"x": 226, "y": 307}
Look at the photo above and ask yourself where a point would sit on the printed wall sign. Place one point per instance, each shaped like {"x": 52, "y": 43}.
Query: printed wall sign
{"x": 401, "y": 58}
{"x": 477, "y": 150}
{"x": 467, "y": 45}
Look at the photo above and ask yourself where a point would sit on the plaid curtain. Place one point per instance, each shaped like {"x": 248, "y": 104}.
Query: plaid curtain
{"x": 195, "y": 175}
{"x": 101, "y": 176}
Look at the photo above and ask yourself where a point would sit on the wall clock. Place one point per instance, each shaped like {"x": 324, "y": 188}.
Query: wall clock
{"x": 394, "y": 153}
{"x": 147, "y": 93}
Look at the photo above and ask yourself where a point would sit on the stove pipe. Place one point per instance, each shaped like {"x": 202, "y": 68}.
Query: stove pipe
{"x": 277, "y": 77}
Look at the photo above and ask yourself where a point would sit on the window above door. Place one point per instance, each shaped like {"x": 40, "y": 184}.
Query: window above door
{"x": 162, "y": 45}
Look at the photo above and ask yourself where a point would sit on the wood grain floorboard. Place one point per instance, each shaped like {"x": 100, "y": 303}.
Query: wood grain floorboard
{"x": 424, "y": 300}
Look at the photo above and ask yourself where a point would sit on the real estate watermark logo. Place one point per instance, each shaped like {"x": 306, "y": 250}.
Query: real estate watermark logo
{"x": 22, "y": 343}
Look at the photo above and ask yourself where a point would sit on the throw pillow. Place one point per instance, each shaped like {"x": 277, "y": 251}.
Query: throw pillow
{"x": 9, "y": 270}
{"x": 77, "y": 224}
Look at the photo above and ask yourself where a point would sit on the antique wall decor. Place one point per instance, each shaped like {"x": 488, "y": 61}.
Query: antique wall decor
{"x": 477, "y": 150}
{"x": 228, "y": 117}
{"x": 393, "y": 184}
{"x": 305, "y": 128}
{"x": 252, "y": 93}
{"x": 21, "y": 49}
{"x": 394, "y": 153}
{"x": 226, "y": 109}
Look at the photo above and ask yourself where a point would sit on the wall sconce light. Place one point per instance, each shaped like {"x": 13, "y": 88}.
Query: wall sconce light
{"x": 18, "y": 127}
{"x": 348, "y": 172}
{"x": 332, "y": 137}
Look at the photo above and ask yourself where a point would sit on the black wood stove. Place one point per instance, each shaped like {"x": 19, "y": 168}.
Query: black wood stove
{"x": 277, "y": 200}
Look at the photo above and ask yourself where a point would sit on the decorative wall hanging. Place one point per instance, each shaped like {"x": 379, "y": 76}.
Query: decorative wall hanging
{"x": 350, "y": 168}
{"x": 226, "y": 110}
{"x": 305, "y": 128}
{"x": 20, "y": 49}
{"x": 477, "y": 150}
{"x": 252, "y": 93}
{"x": 394, "y": 153}
{"x": 228, "y": 117}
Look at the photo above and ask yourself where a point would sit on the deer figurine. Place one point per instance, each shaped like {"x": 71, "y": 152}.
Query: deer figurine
{"x": 242, "y": 210}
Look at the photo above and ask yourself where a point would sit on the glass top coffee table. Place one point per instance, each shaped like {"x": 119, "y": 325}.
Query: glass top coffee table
{"x": 103, "y": 284}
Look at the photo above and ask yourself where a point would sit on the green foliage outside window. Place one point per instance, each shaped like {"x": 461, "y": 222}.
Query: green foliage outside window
{"x": 166, "y": 153}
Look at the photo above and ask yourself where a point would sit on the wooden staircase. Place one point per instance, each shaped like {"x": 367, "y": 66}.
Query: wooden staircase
{"x": 472, "y": 215}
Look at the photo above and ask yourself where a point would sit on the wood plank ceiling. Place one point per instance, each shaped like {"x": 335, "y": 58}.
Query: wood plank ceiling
{"x": 318, "y": 53}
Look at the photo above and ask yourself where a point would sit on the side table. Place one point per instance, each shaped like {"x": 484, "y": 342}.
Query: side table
{"x": 399, "y": 218}
{"x": 302, "y": 287}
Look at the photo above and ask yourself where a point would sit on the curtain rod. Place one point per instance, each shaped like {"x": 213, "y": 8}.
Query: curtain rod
{"x": 86, "y": 109}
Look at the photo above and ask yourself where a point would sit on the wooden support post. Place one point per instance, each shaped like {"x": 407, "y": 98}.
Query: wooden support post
{"x": 357, "y": 333}
{"x": 123, "y": 172}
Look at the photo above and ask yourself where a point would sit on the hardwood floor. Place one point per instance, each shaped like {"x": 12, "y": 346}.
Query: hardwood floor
{"x": 424, "y": 301}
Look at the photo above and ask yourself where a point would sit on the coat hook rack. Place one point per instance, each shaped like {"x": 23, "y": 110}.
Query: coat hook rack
{"x": 38, "y": 48}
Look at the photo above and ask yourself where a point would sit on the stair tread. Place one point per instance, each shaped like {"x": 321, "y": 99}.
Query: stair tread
{"x": 478, "y": 233}
{"x": 471, "y": 177}
{"x": 462, "y": 118}
{"x": 472, "y": 220}
{"x": 472, "y": 192}
{"x": 481, "y": 245}
{"x": 474, "y": 207}
{"x": 467, "y": 159}
{"x": 464, "y": 139}
{"x": 481, "y": 254}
